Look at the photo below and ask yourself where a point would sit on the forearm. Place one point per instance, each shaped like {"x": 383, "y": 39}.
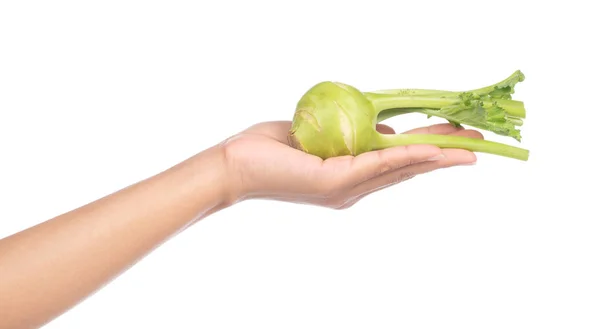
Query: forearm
{"x": 49, "y": 268}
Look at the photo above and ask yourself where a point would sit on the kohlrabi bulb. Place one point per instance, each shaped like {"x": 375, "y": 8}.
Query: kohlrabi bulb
{"x": 333, "y": 119}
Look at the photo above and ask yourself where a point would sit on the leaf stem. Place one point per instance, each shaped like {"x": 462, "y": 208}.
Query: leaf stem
{"x": 446, "y": 141}
{"x": 383, "y": 102}
{"x": 509, "y": 83}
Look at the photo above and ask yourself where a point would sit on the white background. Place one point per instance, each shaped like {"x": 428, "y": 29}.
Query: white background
{"x": 97, "y": 95}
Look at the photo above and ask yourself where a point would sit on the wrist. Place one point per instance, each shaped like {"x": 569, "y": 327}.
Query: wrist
{"x": 206, "y": 180}
{"x": 226, "y": 175}
{"x": 228, "y": 182}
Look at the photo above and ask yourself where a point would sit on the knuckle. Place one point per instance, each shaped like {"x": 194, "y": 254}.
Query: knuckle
{"x": 384, "y": 168}
{"x": 385, "y": 165}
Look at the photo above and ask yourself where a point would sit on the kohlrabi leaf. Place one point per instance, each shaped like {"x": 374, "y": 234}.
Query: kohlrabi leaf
{"x": 474, "y": 112}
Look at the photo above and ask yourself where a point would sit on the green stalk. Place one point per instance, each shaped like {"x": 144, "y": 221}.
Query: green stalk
{"x": 382, "y": 102}
{"x": 388, "y": 105}
{"x": 512, "y": 107}
{"x": 414, "y": 92}
{"x": 516, "y": 121}
{"x": 382, "y": 141}
{"x": 386, "y": 114}
{"x": 506, "y": 84}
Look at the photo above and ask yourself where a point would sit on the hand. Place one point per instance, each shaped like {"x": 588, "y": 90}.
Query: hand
{"x": 263, "y": 165}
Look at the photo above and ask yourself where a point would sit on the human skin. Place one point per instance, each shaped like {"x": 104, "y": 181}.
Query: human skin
{"x": 49, "y": 268}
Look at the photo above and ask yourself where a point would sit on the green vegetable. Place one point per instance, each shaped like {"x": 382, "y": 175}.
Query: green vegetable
{"x": 334, "y": 119}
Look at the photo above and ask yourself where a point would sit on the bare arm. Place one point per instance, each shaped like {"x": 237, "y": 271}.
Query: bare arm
{"x": 47, "y": 269}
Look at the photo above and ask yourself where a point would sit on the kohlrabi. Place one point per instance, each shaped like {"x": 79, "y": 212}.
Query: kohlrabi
{"x": 334, "y": 119}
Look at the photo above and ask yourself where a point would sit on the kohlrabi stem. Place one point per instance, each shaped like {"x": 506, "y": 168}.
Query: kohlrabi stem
{"x": 386, "y": 114}
{"x": 383, "y": 102}
{"x": 390, "y": 101}
{"x": 516, "y": 121}
{"x": 505, "y": 84}
{"x": 382, "y": 141}
{"x": 415, "y": 92}
{"x": 512, "y": 107}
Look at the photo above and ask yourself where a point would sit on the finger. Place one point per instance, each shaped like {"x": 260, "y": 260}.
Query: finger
{"x": 468, "y": 133}
{"x": 437, "y": 129}
{"x": 385, "y": 129}
{"x": 375, "y": 163}
{"x": 451, "y": 157}
{"x": 408, "y": 174}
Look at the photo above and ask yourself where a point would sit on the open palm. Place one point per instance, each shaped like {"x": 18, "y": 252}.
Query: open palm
{"x": 266, "y": 166}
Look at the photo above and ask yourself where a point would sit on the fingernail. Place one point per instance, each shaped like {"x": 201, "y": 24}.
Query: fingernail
{"x": 469, "y": 163}
{"x": 437, "y": 157}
